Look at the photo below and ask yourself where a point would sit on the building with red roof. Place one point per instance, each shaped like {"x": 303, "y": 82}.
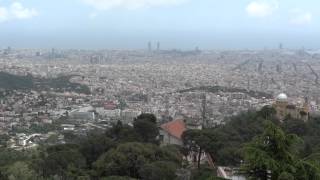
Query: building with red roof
{"x": 171, "y": 132}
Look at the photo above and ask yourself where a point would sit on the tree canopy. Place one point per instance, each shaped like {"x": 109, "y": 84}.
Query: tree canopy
{"x": 254, "y": 140}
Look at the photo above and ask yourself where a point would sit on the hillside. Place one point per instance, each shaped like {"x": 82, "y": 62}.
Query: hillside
{"x": 59, "y": 84}
{"x": 215, "y": 89}
{"x": 11, "y": 82}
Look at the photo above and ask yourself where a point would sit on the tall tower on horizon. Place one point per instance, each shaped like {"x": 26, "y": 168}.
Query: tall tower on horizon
{"x": 53, "y": 53}
{"x": 158, "y": 46}
{"x": 149, "y": 46}
{"x": 280, "y": 46}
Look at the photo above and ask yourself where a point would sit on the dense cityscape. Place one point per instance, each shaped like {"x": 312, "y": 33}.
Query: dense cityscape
{"x": 51, "y": 95}
{"x": 159, "y": 90}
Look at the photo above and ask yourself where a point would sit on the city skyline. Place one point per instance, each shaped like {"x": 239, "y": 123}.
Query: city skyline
{"x": 185, "y": 24}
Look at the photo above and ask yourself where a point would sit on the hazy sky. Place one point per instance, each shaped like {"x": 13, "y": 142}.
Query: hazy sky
{"x": 209, "y": 24}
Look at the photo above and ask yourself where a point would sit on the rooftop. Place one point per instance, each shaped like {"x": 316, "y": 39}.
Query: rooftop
{"x": 175, "y": 128}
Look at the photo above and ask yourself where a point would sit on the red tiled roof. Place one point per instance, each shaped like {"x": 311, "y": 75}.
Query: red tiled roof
{"x": 175, "y": 128}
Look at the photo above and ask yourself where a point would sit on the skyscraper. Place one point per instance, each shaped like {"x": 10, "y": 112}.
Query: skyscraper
{"x": 149, "y": 46}
{"x": 7, "y": 51}
{"x": 53, "y": 53}
{"x": 280, "y": 46}
{"x": 158, "y": 46}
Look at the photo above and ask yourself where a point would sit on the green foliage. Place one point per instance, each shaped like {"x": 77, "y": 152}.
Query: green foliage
{"x": 11, "y": 82}
{"x": 52, "y": 139}
{"x": 129, "y": 159}
{"x": 60, "y": 160}
{"x": 70, "y": 137}
{"x": 15, "y": 82}
{"x": 117, "y": 178}
{"x": 4, "y": 138}
{"x": 9, "y": 156}
{"x": 62, "y": 84}
{"x": 216, "y": 89}
{"x": 122, "y": 104}
{"x": 125, "y": 152}
{"x": 119, "y": 153}
{"x": 308, "y": 131}
{"x": 123, "y": 133}
{"x": 285, "y": 176}
{"x": 195, "y": 142}
{"x": 159, "y": 170}
{"x": 267, "y": 112}
{"x": 215, "y": 178}
{"x": 94, "y": 145}
{"x": 295, "y": 126}
{"x": 20, "y": 171}
{"x": 43, "y": 128}
{"x": 204, "y": 173}
{"x": 273, "y": 154}
{"x": 271, "y": 151}
{"x": 146, "y": 127}
{"x": 224, "y": 142}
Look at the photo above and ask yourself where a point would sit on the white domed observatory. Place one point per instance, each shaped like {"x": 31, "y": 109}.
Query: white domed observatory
{"x": 282, "y": 97}
{"x": 285, "y": 109}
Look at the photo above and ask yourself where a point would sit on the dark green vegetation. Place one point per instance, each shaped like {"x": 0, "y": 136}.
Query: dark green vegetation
{"x": 35, "y": 128}
{"x": 122, "y": 152}
{"x": 273, "y": 155}
{"x": 216, "y": 89}
{"x": 258, "y": 142}
{"x": 59, "y": 84}
{"x": 10, "y": 82}
{"x": 255, "y": 141}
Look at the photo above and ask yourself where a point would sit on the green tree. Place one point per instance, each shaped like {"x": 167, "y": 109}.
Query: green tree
{"x": 270, "y": 152}
{"x": 295, "y": 126}
{"x": 159, "y": 170}
{"x": 9, "y": 157}
{"x": 4, "y": 138}
{"x": 194, "y": 143}
{"x": 20, "y": 171}
{"x": 146, "y": 127}
{"x": 129, "y": 158}
{"x": 225, "y": 141}
{"x": 309, "y": 167}
{"x": 125, "y": 160}
{"x": 285, "y": 176}
{"x": 267, "y": 112}
{"x": 117, "y": 178}
{"x": 204, "y": 173}
{"x": 61, "y": 160}
{"x": 273, "y": 154}
{"x": 120, "y": 133}
{"x": 94, "y": 145}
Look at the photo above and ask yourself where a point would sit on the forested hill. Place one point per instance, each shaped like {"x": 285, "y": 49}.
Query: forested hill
{"x": 59, "y": 84}
{"x": 10, "y": 81}
{"x": 215, "y": 89}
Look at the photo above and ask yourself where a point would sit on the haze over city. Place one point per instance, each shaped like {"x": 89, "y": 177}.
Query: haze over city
{"x": 181, "y": 24}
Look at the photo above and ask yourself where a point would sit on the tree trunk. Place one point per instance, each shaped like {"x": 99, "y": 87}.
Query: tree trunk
{"x": 199, "y": 157}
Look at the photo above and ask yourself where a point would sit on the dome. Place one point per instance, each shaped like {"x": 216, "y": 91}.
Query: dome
{"x": 282, "y": 97}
